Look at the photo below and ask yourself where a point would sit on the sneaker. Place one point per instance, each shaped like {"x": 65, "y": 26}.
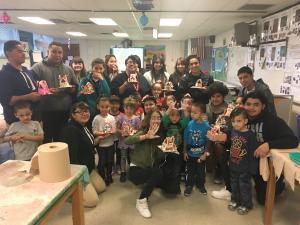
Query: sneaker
{"x": 222, "y": 194}
{"x": 232, "y": 205}
{"x": 203, "y": 190}
{"x": 242, "y": 210}
{"x": 123, "y": 177}
{"x": 188, "y": 191}
{"x": 142, "y": 207}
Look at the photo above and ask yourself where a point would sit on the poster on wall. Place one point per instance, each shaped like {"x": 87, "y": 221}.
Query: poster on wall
{"x": 251, "y": 57}
{"x": 265, "y": 30}
{"x": 262, "y": 56}
{"x": 285, "y": 87}
{"x": 151, "y": 50}
{"x": 273, "y": 29}
{"x": 292, "y": 68}
{"x": 219, "y": 63}
{"x": 270, "y": 56}
{"x": 280, "y": 57}
{"x": 295, "y": 21}
{"x": 284, "y": 24}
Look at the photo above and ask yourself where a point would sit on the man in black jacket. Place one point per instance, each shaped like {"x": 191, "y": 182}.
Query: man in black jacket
{"x": 16, "y": 82}
{"x": 271, "y": 133}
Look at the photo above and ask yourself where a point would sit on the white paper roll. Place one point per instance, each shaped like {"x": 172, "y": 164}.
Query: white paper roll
{"x": 54, "y": 162}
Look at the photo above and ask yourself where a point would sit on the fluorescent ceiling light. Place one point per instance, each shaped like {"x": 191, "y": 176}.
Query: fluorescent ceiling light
{"x": 170, "y": 22}
{"x": 117, "y": 34}
{"x": 79, "y": 34}
{"x": 155, "y": 33}
{"x": 103, "y": 21}
{"x": 164, "y": 35}
{"x": 36, "y": 20}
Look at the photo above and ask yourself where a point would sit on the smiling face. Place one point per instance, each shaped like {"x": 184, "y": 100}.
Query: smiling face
{"x": 155, "y": 118}
{"x": 157, "y": 65}
{"x": 112, "y": 63}
{"x": 246, "y": 80}
{"x": 180, "y": 66}
{"x": 254, "y": 107}
{"x": 156, "y": 90}
{"x": 194, "y": 66}
{"x": 81, "y": 116}
{"x": 131, "y": 66}
{"x": 77, "y": 66}
{"x": 217, "y": 99}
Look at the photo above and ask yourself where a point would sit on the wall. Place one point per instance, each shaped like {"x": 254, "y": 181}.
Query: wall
{"x": 90, "y": 49}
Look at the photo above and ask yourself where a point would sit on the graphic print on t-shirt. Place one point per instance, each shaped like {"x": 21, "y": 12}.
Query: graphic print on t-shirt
{"x": 237, "y": 150}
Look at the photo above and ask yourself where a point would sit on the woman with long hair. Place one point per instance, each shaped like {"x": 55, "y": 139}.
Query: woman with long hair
{"x": 77, "y": 65}
{"x": 158, "y": 71}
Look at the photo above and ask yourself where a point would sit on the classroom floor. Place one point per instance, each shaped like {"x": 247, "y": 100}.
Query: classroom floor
{"x": 117, "y": 207}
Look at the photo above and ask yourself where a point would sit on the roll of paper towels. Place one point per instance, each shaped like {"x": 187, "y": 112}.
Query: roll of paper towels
{"x": 54, "y": 162}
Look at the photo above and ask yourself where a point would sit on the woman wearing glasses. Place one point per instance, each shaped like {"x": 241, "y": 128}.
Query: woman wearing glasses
{"x": 130, "y": 82}
{"x": 81, "y": 150}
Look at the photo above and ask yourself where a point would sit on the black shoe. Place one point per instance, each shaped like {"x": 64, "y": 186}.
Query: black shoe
{"x": 203, "y": 190}
{"x": 188, "y": 190}
{"x": 123, "y": 177}
{"x": 109, "y": 180}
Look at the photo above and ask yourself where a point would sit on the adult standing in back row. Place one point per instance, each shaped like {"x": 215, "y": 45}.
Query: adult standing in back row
{"x": 16, "y": 82}
{"x": 130, "y": 82}
{"x": 189, "y": 81}
{"x": 158, "y": 71}
{"x": 55, "y": 108}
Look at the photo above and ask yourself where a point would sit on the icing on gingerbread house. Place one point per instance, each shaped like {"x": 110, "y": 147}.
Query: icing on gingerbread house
{"x": 43, "y": 88}
{"x": 132, "y": 78}
{"x": 169, "y": 144}
{"x": 63, "y": 81}
{"x": 169, "y": 86}
{"x": 199, "y": 83}
{"x": 87, "y": 89}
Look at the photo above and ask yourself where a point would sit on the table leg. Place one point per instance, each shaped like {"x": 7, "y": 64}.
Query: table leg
{"x": 77, "y": 205}
{"x": 270, "y": 195}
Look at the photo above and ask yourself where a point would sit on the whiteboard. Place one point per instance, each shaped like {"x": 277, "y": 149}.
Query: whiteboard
{"x": 237, "y": 58}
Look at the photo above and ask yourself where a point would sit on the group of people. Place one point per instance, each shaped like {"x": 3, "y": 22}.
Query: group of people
{"x": 125, "y": 117}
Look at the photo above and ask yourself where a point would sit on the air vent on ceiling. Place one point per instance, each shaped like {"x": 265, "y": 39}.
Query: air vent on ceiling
{"x": 59, "y": 21}
{"x": 85, "y": 22}
{"x": 143, "y": 5}
{"x": 1, "y": 22}
{"x": 105, "y": 33}
{"x": 255, "y": 6}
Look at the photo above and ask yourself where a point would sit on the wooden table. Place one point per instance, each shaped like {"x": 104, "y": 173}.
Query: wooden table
{"x": 279, "y": 163}
{"x": 25, "y": 199}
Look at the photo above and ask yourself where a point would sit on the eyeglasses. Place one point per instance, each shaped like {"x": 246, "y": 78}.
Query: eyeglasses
{"x": 82, "y": 112}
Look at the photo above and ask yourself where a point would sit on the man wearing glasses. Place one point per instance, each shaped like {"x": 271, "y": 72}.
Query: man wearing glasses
{"x": 16, "y": 82}
{"x": 130, "y": 82}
